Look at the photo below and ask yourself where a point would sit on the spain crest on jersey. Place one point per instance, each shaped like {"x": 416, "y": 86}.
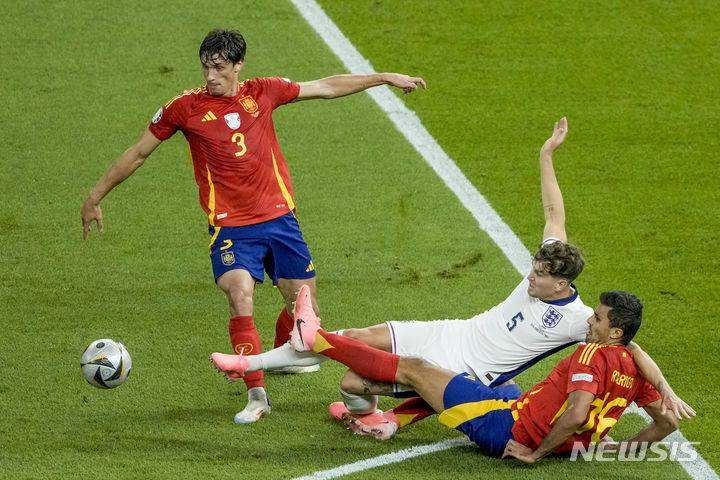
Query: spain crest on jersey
{"x": 248, "y": 103}
{"x": 228, "y": 258}
{"x": 233, "y": 120}
{"x": 551, "y": 317}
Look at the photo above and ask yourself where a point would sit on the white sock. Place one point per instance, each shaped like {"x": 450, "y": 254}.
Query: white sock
{"x": 257, "y": 394}
{"x": 359, "y": 404}
{"x": 283, "y": 356}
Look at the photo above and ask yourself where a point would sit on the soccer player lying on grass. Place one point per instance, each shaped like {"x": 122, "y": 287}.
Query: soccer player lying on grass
{"x": 576, "y": 405}
{"x": 541, "y": 316}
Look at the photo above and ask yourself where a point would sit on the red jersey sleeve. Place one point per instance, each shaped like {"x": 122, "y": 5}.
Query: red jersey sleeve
{"x": 169, "y": 118}
{"x": 585, "y": 372}
{"x": 279, "y": 90}
{"x": 647, "y": 394}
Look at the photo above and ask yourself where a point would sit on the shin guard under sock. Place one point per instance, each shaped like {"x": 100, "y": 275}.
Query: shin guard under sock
{"x": 282, "y": 328}
{"x": 412, "y": 410}
{"x": 244, "y": 338}
{"x": 364, "y": 360}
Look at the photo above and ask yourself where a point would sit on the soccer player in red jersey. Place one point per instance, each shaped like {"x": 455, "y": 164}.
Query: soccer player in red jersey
{"x": 244, "y": 184}
{"x": 576, "y": 405}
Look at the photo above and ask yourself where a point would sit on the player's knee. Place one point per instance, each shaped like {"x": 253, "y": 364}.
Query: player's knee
{"x": 410, "y": 370}
{"x": 241, "y": 300}
{"x": 351, "y": 383}
{"x": 358, "y": 334}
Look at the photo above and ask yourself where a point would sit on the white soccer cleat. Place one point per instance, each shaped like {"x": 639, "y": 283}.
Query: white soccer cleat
{"x": 302, "y": 336}
{"x": 258, "y": 406}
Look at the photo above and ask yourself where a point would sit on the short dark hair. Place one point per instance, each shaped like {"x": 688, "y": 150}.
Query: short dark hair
{"x": 227, "y": 45}
{"x": 625, "y": 313}
{"x": 561, "y": 259}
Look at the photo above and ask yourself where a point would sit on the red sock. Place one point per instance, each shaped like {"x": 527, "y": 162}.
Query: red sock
{"x": 282, "y": 328}
{"x": 366, "y": 361}
{"x": 412, "y": 410}
{"x": 244, "y": 338}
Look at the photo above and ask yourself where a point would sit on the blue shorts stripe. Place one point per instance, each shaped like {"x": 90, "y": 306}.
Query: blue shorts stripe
{"x": 480, "y": 412}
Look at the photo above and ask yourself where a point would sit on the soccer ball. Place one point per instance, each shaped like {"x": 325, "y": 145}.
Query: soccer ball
{"x": 105, "y": 363}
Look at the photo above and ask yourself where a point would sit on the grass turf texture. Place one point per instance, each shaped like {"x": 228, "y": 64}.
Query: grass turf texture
{"x": 639, "y": 174}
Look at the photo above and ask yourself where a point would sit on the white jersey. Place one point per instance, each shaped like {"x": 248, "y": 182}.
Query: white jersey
{"x": 499, "y": 343}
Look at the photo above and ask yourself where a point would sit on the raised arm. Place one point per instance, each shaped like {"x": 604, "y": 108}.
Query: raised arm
{"x": 649, "y": 369}
{"x": 342, "y": 85}
{"x": 579, "y": 402}
{"x": 120, "y": 170}
{"x": 552, "y": 199}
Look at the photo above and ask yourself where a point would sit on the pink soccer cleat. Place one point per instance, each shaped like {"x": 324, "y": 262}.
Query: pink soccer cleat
{"x": 337, "y": 410}
{"x": 232, "y": 366}
{"x": 380, "y": 425}
{"x": 302, "y": 336}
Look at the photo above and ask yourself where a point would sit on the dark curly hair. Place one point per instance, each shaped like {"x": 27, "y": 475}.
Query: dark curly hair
{"x": 561, "y": 259}
{"x": 227, "y": 45}
{"x": 625, "y": 312}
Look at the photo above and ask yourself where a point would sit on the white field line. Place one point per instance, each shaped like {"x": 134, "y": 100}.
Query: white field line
{"x": 409, "y": 125}
{"x": 386, "y": 459}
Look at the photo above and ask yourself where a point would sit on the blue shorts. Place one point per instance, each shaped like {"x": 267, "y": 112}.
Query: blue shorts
{"x": 276, "y": 247}
{"x": 480, "y": 412}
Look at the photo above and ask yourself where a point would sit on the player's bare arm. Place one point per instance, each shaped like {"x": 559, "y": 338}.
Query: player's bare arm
{"x": 663, "y": 424}
{"x": 342, "y": 85}
{"x": 650, "y": 370}
{"x": 121, "y": 169}
{"x": 552, "y": 198}
{"x": 579, "y": 403}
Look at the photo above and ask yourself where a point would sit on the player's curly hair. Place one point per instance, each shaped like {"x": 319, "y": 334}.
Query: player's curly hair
{"x": 228, "y": 45}
{"x": 625, "y": 312}
{"x": 561, "y": 260}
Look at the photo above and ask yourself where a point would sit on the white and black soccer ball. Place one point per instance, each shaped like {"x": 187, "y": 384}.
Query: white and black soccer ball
{"x": 106, "y": 363}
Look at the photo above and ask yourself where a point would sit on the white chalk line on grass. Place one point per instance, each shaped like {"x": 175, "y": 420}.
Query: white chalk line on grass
{"x": 387, "y": 459}
{"x": 412, "y": 129}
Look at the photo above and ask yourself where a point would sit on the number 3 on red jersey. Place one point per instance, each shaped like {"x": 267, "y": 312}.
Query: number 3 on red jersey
{"x": 239, "y": 140}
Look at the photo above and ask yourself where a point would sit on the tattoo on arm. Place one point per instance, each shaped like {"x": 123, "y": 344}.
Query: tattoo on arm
{"x": 372, "y": 387}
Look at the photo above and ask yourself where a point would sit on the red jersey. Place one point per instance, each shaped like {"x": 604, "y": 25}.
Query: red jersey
{"x": 240, "y": 171}
{"x": 608, "y": 372}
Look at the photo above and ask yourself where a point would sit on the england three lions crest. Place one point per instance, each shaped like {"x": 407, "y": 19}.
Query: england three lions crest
{"x": 551, "y": 317}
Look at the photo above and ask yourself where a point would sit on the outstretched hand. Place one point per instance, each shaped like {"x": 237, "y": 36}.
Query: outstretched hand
{"x": 90, "y": 212}
{"x": 407, "y": 83}
{"x": 558, "y": 136}
{"x": 670, "y": 401}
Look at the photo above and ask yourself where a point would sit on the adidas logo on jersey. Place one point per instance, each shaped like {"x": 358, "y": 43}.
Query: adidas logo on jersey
{"x": 209, "y": 116}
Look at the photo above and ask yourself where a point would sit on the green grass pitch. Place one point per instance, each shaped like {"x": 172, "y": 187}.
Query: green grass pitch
{"x": 639, "y": 172}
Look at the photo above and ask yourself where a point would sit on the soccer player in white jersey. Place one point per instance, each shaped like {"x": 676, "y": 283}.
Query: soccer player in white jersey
{"x": 542, "y": 315}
